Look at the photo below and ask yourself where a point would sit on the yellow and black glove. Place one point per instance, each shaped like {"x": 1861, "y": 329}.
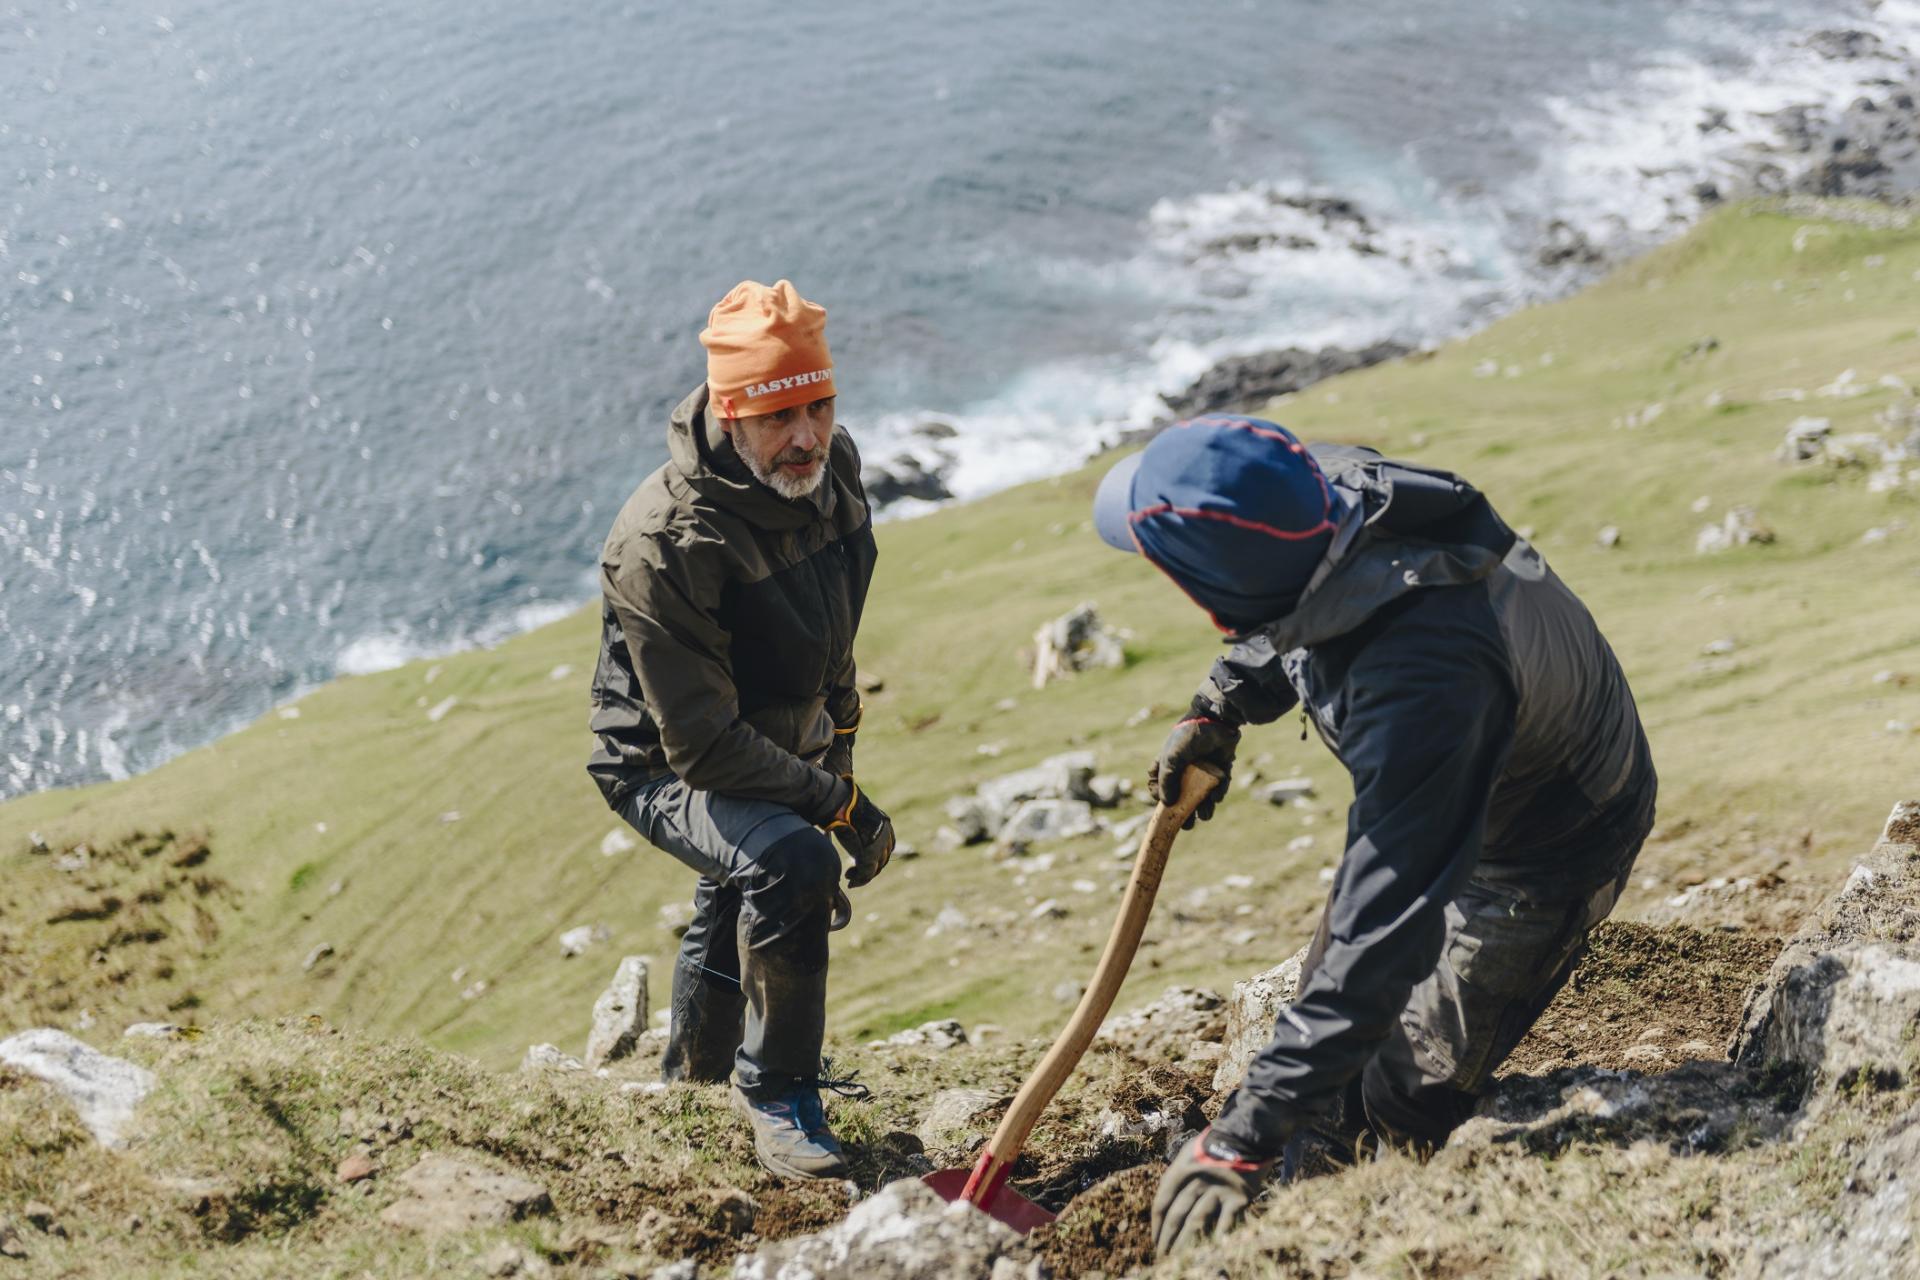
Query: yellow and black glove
{"x": 864, "y": 831}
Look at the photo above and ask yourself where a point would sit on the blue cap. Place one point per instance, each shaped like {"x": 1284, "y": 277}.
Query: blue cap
{"x": 1233, "y": 509}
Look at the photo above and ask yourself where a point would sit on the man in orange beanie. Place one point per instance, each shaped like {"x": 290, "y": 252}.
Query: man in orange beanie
{"x": 724, "y": 707}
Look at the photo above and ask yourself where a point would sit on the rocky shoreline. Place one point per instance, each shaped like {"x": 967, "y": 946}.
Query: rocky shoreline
{"x": 1869, "y": 151}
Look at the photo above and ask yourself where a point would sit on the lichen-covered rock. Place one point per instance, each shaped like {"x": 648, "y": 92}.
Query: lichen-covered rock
{"x": 1879, "y": 902}
{"x": 1849, "y": 1018}
{"x": 1252, "y": 1009}
{"x": 620, "y": 1014}
{"x": 903, "y": 1232}
{"x": 104, "y": 1090}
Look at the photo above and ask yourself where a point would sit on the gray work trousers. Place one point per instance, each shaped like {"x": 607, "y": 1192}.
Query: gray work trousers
{"x": 750, "y": 983}
{"x": 1506, "y": 956}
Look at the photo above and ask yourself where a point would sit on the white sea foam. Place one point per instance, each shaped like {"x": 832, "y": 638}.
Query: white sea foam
{"x": 1267, "y": 265}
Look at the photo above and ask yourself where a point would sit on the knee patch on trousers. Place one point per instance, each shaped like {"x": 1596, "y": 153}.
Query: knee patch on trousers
{"x": 789, "y": 898}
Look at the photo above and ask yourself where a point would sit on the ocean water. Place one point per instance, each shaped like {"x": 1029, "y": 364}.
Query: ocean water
{"x": 331, "y": 335}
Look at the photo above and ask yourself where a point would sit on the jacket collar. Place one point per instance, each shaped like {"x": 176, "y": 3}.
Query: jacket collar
{"x": 703, "y": 454}
{"x": 1405, "y": 528}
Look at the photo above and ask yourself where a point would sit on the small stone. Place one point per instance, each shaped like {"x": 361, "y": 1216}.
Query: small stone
{"x": 560, "y": 672}
{"x": 453, "y": 1194}
{"x": 10, "y": 1244}
{"x": 354, "y": 1168}
{"x": 940, "y": 1034}
{"x": 1067, "y": 992}
{"x": 451, "y": 815}
{"x": 1287, "y": 790}
{"x": 315, "y": 956}
{"x": 438, "y": 711}
{"x": 1644, "y": 1054}
{"x": 1715, "y": 648}
{"x": 474, "y": 990}
{"x": 1048, "y": 910}
{"x": 548, "y": 1057}
{"x": 1609, "y": 536}
{"x": 151, "y": 1030}
{"x": 37, "y": 843}
{"x": 1076, "y": 641}
{"x": 676, "y": 918}
{"x": 949, "y": 920}
{"x": 504, "y": 1259}
{"x": 40, "y": 1215}
{"x": 616, "y": 842}
{"x": 957, "y": 1111}
{"x": 1299, "y": 844}
{"x": 575, "y": 941}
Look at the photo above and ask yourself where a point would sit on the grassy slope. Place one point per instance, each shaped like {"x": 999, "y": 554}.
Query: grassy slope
{"x": 1778, "y": 763}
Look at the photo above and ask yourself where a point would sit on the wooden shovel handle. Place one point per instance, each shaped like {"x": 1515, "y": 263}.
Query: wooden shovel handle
{"x": 1196, "y": 784}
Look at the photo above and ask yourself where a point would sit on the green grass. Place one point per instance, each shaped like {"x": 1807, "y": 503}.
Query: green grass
{"x": 1775, "y": 761}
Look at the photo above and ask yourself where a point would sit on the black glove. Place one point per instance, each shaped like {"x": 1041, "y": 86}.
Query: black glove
{"x": 865, "y": 832}
{"x": 1201, "y": 738}
{"x": 1204, "y": 1193}
{"x": 839, "y": 758}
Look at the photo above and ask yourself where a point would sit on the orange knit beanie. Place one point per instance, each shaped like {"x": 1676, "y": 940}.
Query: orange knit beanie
{"x": 766, "y": 350}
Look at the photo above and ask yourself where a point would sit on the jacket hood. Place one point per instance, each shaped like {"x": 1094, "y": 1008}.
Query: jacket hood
{"x": 704, "y": 456}
{"x": 1404, "y": 528}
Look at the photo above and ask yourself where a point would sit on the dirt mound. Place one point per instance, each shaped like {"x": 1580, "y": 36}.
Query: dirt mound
{"x": 1647, "y": 998}
{"x": 1108, "y": 1228}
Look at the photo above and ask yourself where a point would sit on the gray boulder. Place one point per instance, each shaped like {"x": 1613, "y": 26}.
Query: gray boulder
{"x": 104, "y": 1090}
{"x": 1252, "y": 1010}
{"x": 448, "y": 1193}
{"x": 620, "y": 1014}
{"x": 941, "y": 1034}
{"x": 1878, "y": 904}
{"x": 905, "y": 1231}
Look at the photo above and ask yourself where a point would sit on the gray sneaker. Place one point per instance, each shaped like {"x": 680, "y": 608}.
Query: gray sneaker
{"x": 791, "y": 1137}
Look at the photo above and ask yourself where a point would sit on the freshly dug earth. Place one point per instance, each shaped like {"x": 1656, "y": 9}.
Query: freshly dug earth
{"x": 1107, "y": 1229}
{"x": 1648, "y": 998}
{"x": 1643, "y": 998}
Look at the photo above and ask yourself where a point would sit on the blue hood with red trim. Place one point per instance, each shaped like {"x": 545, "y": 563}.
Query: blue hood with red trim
{"x": 1233, "y": 509}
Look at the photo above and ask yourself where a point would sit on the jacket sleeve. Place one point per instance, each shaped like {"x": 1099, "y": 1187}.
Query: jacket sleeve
{"x": 1427, "y": 732}
{"x": 1247, "y": 685}
{"x": 843, "y": 693}
{"x": 680, "y": 656}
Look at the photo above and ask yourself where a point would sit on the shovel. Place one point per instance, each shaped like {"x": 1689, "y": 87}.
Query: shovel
{"x": 985, "y": 1186}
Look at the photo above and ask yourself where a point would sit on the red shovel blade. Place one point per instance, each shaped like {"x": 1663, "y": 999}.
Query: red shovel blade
{"x": 1003, "y": 1204}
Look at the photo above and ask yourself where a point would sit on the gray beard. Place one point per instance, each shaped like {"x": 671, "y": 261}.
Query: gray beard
{"x": 787, "y": 486}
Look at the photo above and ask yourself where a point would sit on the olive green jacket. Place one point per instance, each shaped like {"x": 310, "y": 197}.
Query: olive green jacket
{"x": 728, "y": 619}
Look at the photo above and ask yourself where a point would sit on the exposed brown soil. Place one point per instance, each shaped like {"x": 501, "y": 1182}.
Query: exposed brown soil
{"x": 1647, "y": 999}
{"x": 128, "y": 919}
{"x": 1644, "y": 998}
{"x": 1108, "y": 1228}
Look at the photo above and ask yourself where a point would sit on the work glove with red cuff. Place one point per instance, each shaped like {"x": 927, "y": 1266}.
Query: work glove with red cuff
{"x": 1202, "y": 737}
{"x": 864, "y": 831}
{"x": 1204, "y": 1193}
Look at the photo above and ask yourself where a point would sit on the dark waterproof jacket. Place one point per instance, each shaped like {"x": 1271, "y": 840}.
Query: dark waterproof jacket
{"x": 1489, "y": 731}
{"x": 727, "y": 624}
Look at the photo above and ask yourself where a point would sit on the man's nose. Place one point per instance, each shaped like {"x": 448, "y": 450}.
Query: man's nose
{"x": 806, "y": 434}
